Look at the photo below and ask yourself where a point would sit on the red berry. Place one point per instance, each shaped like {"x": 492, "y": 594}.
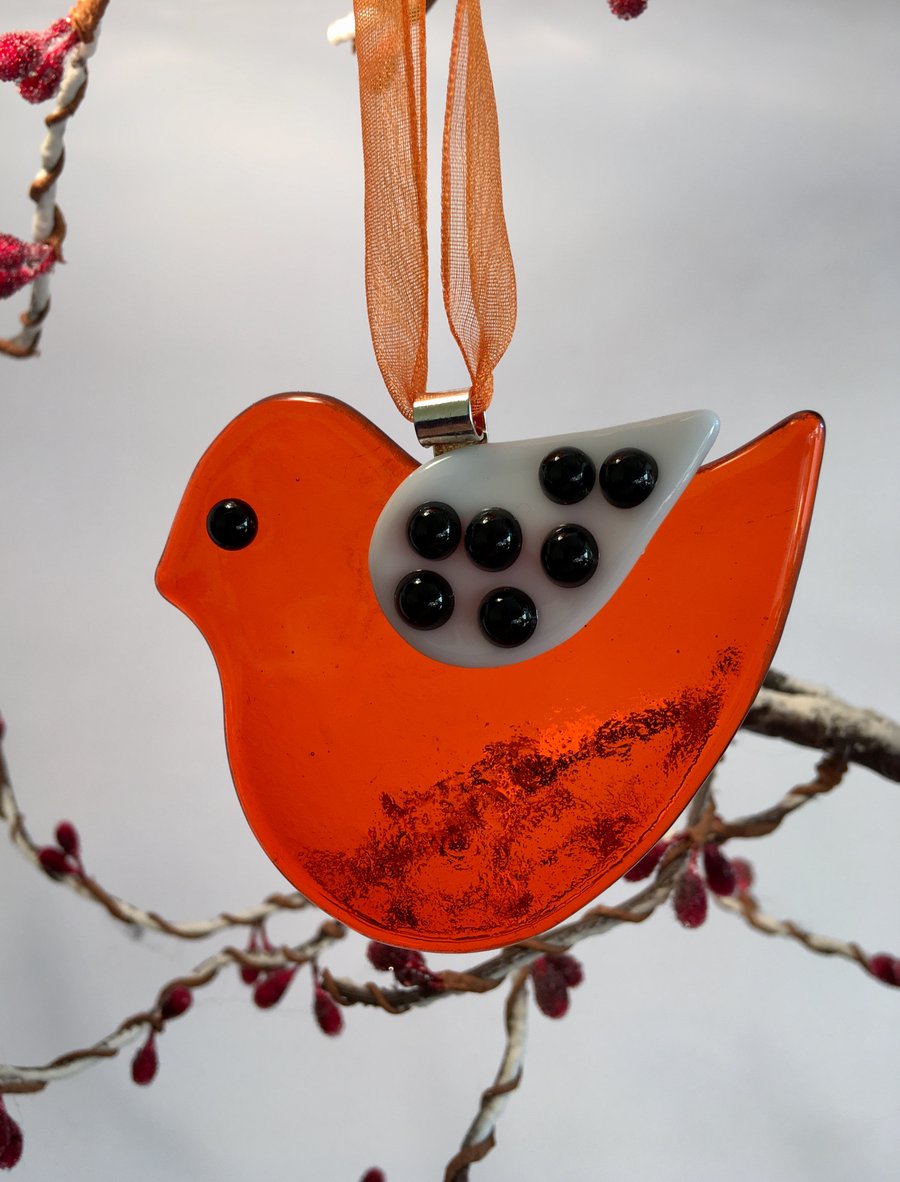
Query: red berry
{"x": 327, "y": 1011}
{"x": 373, "y": 1175}
{"x": 145, "y": 1063}
{"x": 550, "y": 989}
{"x": 408, "y": 966}
{"x": 21, "y": 262}
{"x": 43, "y": 83}
{"x": 176, "y": 1001}
{"x": 54, "y": 862}
{"x": 571, "y": 969}
{"x": 886, "y": 968}
{"x": 626, "y": 10}
{"x": 689, "y": 899}
{"x": 385, "y": 957}
{"x": 248, "y": 973}
{"x": 645, "y": 867}
{"x": 12, "y": 1149}
{"x": 60, "y": 28}
{"x": 720, "y": 876}
{"x": 67, "y": 838}
{"x": 271, "y": 988}
{"x": 19, "y": 53}
{"x": 10, "y": 1139}
{"x": 743, "y": 874}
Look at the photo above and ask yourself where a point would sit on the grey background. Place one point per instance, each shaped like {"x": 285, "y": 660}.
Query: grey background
{"x": 702, "y": 206}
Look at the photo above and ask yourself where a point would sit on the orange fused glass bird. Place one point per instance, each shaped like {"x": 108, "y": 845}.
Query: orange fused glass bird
{"x": 455, "y": 807}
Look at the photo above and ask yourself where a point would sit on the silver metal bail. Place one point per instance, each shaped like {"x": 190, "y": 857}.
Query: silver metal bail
{"x": 445, "y": 421}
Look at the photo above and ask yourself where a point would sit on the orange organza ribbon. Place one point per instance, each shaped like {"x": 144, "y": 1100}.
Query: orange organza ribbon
{"x": 476, "y": 263}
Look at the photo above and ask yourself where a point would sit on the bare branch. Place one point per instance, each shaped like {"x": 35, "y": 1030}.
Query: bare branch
{"x": 480, "y": 1139}
{"x": 35, "y": 1079}
{"x": 129, "y": 913}
{"x": 830, "y": 772}
{"x": 746, "y": 906}
{"x": 811, "y": 716}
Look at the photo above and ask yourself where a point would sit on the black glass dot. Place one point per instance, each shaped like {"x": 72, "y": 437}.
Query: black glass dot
{"x": 493, "y": 539}
{"x": 628, "y": 477}
{"x": 434, "y": 530}
{"x": 232, "y": 524}
{"x": 424, "y": 599}
{"x": 567, "y": 475}
{"x": 570, "y": 555}
{"x": 507, "y": 616}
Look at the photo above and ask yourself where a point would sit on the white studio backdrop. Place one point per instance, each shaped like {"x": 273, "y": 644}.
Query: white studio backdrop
{"x": 702, "y": 206}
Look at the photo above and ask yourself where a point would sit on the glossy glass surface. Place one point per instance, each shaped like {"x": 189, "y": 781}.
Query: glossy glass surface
{"x": 570, "y": 555}
{"x": 434, "y": 530}
{"x": 232, "y": 524}
{"x": 508, "y": 617}
{"x": 424, "y": 599}
{"x": 567, "y": 475}
{"x": 455, "y": 808}
{"x": 628, "y": 477}
{"x": 493, "y": 539}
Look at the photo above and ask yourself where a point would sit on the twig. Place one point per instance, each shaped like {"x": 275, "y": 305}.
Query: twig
{"x": 748, "y": 908}
{"x": 35, "y": 1079}
{"x": 480, "y": 1138}
{"x": 49, "y": 225}
{"x": 830, "y": 772}
{"x": 811, "y": 716}
{"x": 128, "y": 913}
{"x": 489, "y": 973}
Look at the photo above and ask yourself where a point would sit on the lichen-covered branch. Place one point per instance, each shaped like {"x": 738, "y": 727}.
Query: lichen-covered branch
{"x": 812, "y": 716}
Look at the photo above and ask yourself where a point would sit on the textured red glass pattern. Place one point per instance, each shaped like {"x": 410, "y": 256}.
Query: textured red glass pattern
{"x": 450, "y": 808}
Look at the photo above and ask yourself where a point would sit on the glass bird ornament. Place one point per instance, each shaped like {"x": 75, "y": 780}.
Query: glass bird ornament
{"x": 462, "y": 699}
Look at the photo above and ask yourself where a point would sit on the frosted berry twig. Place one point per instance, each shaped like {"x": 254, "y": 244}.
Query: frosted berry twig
{"x": 48, "y": 225}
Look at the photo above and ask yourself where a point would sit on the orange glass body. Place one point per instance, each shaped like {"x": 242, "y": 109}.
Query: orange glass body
{"x": 448, "y": 808}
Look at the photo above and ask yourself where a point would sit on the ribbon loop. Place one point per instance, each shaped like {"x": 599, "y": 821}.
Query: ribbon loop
{"x": 476, "y": 263}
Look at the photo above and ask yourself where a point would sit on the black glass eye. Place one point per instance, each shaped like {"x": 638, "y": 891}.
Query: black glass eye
{"x": 424, "y": 599}
{"x": 232, "y": 524}
{"x": 628, "y": 477}
{"x": 493, "y": 539}
{"x": 570, "y": 555}
{"x": 507, "y": 616}
{"x": 434, "y": 530}
{"x": 567, "y": 475}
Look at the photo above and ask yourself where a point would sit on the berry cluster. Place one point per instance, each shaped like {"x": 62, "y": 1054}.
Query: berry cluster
{"x": 721, "y": 875}
{"x": 64, "y": 857}
{"x": 626, "y": 10}
{"x": 553, "y": 976}
{"x": 408, "y": 966}
{"x": 270, "y": 986}
{"x": 35, "y": 61}
{"x": 22, "y": 262}
{"x": 10, "y": 1139}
